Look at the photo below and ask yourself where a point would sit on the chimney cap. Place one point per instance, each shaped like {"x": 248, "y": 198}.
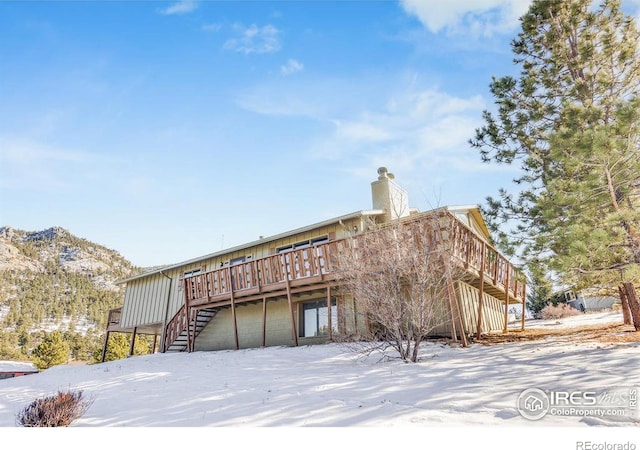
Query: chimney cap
{"x": 384, "y": 173}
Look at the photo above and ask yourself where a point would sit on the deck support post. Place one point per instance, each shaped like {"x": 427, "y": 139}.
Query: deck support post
{"x": 294, "y": 331}
{"x": 355, "y": 317}
{"x": 454, "y": 333}
{"x": 481, "y": 294}
{"x": 524, "y": 304}
{"x": 455, "y": 311}
{"x": 104, "y": 348}
{"x": 155, "y": 342}
{"x": 187, "y": 314}
{"x": 264, "y": 321}
{"x": 165, "y": 321}
{"x": 329, "y": 321}
{"x": 506, "y": 299}
{"x": 233, "y": 313}
{"x": 133, "y": 341}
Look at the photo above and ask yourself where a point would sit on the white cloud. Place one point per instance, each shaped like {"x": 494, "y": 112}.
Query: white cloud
{"x": 323, "y": 98}
{"x": 212, "y": 27}
{"x": 360, "y": 132}
{"x": 180, "y": 7}
{"x": 292, "y": 66}
{"x": 416, "y": 129}
{"x": 254, "y": 39}
{"x": 26, "y": 164}
{"x": 478, "y": 17}
{"x": 415, "y": 125}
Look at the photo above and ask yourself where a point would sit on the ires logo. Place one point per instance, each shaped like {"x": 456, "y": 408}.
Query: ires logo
{"x": 534, "y": 403}
{"x": 577, "y": 398}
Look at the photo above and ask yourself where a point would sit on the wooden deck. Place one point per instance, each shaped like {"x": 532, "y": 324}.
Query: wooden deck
{"x": 311, "y": 269}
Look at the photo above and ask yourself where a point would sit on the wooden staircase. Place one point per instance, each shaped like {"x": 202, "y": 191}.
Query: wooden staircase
{"x": 201, "y": 319}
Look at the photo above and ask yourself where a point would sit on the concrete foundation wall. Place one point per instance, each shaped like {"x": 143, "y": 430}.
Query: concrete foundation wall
{"x": 218, "y": 334}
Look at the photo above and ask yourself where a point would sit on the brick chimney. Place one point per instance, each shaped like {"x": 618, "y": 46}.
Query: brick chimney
{"x": 389, "y": 196}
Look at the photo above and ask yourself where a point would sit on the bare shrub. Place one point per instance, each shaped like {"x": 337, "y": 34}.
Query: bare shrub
{"x": 58, "y": 410}
{"x": 402, "y": 277}
{"x": 558, "y": 311}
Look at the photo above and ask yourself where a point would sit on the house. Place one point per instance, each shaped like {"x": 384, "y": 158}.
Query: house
{"x": 11, "y": 369}
{"x": 569, "y": 297}
{"x": 283, "y": 290}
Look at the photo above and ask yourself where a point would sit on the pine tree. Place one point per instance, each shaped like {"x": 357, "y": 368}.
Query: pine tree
{"x": 571, "y": 120}
{"x": 52, "y": 351}
{"x": 119, "y": 346}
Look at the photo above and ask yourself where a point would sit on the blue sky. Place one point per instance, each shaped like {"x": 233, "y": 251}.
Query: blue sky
{"x": 168, "y": 130}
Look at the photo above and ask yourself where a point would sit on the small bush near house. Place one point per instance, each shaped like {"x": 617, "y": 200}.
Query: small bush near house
{"x": 58, "y": 410}
{"x": 558, "y": 311}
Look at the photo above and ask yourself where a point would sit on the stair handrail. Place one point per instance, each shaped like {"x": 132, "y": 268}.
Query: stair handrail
{"x": 175, "y": 326}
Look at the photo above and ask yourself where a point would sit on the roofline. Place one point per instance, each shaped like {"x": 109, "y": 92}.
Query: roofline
{"x": 482, "y": 223}
{"x": 374, "y": 212}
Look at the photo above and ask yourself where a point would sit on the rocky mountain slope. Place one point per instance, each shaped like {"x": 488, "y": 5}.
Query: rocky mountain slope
{"x": 40, "y": 251}
{"x": 53, "y": 280}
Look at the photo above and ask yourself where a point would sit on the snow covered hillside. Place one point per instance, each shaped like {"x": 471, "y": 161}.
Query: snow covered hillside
{"x": 328, "y": 385}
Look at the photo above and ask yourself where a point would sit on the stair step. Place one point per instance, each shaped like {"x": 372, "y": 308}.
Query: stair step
{"x": 195, "y": 326}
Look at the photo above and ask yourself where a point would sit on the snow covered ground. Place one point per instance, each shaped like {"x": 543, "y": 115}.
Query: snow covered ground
{"x": 330, "y": 386}
{"x": 587, "y": 319}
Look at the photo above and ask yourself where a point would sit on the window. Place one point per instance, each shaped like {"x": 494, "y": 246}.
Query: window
{"x": 320, "y": 240}
{"x": 239, "y": 260}
{"x": 303, "y": 244}
{"x": 192, "y": 273}
{"x": 315, "y": 318}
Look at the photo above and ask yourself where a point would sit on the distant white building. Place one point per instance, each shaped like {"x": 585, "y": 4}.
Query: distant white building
{"x": 599, "y": 303}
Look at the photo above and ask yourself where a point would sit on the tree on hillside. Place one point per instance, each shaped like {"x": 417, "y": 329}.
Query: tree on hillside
{"x": 9, "y": 347}
{"x": 402, "y": 276}
{"x": 52, "y": 351}
{"x": 119, "y": 346}
{"x": 571, "y": 120}
{"x": 539, "y": 293}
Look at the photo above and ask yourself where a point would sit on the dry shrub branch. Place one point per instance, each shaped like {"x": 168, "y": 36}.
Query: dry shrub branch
{"x": 58, "y": 410}
{"x": 401, "y": 275}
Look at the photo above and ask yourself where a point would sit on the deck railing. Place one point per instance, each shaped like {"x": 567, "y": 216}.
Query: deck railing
{"x": 315, "y": 262}
{"x": 262, "y": 274}
{"x": 468, "y": 248}
{"x": 114, "y": 317}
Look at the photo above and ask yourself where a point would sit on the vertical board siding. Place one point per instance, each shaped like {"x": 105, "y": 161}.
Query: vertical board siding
{"x": 143, "y": 303}
{"x": 492, "y": 309}
{"x": 468, "y": 306}
{"x": 492, "y": 312}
